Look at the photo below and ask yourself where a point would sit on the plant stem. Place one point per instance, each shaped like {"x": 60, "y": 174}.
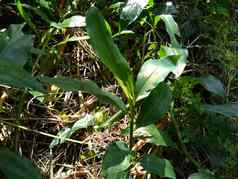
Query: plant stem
{"x": 132, "y": 115}
{"x": 183, "y": 147}
{"x": 131, "y": 140}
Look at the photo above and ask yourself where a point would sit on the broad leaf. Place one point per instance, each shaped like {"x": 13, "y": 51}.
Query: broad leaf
{"x": 158, "y": 166}
{"x": 172, "y": 29}
{"x": 116, "y": 159}
{"x": 101, "y": 40}
{"x": 202, "y": 174}
{"x": 74, "y": 21}
{"x": 153, "y": 135}
{"x": 151, "y": 74}
{"x": 14, "y": 166}
{"x": 229, "y": 110}
{"x": 132, "y": 10}
{"x": 213, "y": 85}
{"x": 67, "y": 132}
{"x": 87, "y": 86}
{"x": 15, "y": 46}
{"x": 181, "y": 61}
{"x": 155, "y": 106}
{"x": 13, "y": 75}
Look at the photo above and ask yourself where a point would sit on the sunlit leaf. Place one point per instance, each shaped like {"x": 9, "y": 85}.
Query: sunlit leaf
{"x": 156, "y": 20}
{"x": 155, "y": 105}
{"x": 153, "y": 135}
{"x": 172, "y": 29}
{"x": 132, "y": 10}
{"x": 151, "y": 74}
{"x": 101, "y": 40}
{"x": 151, "y": 3}
{"x": 229, "y": 110}
{"x": 37, "y": 95}
{"x": 181, "y": 61}
{"x": 14, "y": 166}
{"x": 86, "y": 86}
{"x": 213, "y": 85}
{"x": 13, "y": 75}
{"x": 158, "y": 166}
{"x": 15, "y": 46}
{"x": 74, "y": 21}
{"x": 116, "y": 159}
{"x": 124, "y": 32}
{"x": 67, "y": 132}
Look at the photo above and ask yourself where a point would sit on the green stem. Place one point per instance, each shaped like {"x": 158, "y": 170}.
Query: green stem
{"x": 131, "y": 140}
{"x": 183, "y": 147}
{"x": 26, "y": 17}
{"x": 132, "y": 115}
{"x": 228, "y": 88}
{"x": 43, "y": 44}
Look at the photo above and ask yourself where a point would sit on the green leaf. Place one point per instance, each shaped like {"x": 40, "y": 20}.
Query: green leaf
{"x": 151, "y": 3}
{"x": 182, "y": 55}
{"x": 15, "y": 46}
{"x": 171, "y": 28}
{"x": 116, "y": 159}
{"x": 14, "y": 166}
{"x": 229, "y": 110}
{"x": 122, "y": 175}
{"x": 132, "y": 10}
{"x": 86, "y": 86}
{"x": 101, "y": 41}
{"x": 158, "y": 166}
{"x": 37, "y": 95}
{"x": 202, "y": 174}
{"x": 156, "y": 20}
{"x": 155, "y": 105}
{"x": 151, "y": 74}
{"x": 74, "y": 21}
{"x": 67, "y": 132}
{"x": 124, "y": 32}
{"x": 25, "y": 15}
{"x": 153, "y": 135}
{"x": 213, "y": 85}
{"x": 13, "y": 75}
{"x": 44, "y": 3}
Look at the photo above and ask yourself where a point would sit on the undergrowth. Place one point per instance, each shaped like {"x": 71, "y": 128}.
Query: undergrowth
{"x": 115, "y": 89}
